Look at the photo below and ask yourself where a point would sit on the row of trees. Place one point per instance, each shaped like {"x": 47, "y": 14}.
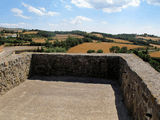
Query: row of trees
{"x": 131, "y": 38}
{"x": 62, "y": 45}
{"x": 71, "y": 42}
{"x": 93, "y": 51}
{"x": 117, "y": 49}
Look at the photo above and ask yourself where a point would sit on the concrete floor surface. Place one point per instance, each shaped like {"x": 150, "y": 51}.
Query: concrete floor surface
{"x": 41, "y": 99}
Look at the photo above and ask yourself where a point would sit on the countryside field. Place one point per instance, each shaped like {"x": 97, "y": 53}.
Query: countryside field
{"x": 83, "y": 48}
{"x": 39, "y": 40}
{"x": 119, "y": 40}
{"x": 158, "y": 46}
{"x": 30, "y": 32}
{"x": 155, "y": 54}
{"x": 148, "y": 38}
{"x": 98, "y": 35}
{"x": 63, "y": 37}
{"x": 59, "y": 37}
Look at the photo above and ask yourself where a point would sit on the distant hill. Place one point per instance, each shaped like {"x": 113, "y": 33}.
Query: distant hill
{"x": 11, "y": 29}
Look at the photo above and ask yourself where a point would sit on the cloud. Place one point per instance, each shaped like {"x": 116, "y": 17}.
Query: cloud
{"x": 80, "y": 19}
{"x": 17, "y": 25}
{"x": 108, "y": 6}
{"x": 153, "y": 2}
{"x": 104, "y": 22}
{"x": 19, "y": 13}
{"x": 68, "y": 7}
{"x": 40, "y": 11}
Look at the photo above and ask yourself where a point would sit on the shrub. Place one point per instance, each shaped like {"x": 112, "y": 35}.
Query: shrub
{"x": 123, "y": 50}
{"x": 99, "y": 51}
{"x": 91, "y": 51}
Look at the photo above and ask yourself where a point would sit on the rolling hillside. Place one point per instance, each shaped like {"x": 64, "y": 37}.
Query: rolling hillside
{"x": 83, "y": 48}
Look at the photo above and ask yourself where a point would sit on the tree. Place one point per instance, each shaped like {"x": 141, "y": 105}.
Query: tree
{"x": 115, "y": 49}
{"x": 91, "y": 51}
{"x": 99, "y": 51}
{"x": 124, "y": 50}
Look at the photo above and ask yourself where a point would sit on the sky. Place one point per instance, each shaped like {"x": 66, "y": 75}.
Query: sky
{"x": 108, "y": 16}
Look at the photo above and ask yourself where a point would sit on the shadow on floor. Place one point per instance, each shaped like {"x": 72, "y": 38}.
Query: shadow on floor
{"x": 121, "y": 109}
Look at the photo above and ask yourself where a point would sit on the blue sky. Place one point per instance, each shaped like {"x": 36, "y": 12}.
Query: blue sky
{"x": 109, "y": 16}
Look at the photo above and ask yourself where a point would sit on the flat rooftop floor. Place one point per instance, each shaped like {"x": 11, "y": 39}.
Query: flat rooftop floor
{"x": 60, "y": 98}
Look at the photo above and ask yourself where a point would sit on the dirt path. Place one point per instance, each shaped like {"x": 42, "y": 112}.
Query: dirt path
{"x": 60, "y": 100}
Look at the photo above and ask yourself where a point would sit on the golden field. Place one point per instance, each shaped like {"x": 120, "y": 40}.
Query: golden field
{"x": 30, "y": 32}
{"x": 155, "y": 54}
{"x": 39, "y": 40}
{"x": 98, "y": 35}
{"x": 63, "y": 37}
{"x": 118, "y": 40}
{"x": 158, "y": 46}
{"x": 148, "y": 38}
{"x": 83, "y": 48}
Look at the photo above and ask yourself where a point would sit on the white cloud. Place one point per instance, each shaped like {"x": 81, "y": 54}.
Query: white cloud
{"x": 81, "y": 3}
{"x": 15, "y": 25}
{"x": 80, "y": 19}
{"x": 68, "y": 7}
{"x": 153, "y": 2}
{"x": 51, "y": 13}
{"x": 106, "y": 5}
{"x": 104, "y": 22}
{"x": 19, "y": 13}
{"x": 40, "y": 11}
{"x": 33, "y": 9}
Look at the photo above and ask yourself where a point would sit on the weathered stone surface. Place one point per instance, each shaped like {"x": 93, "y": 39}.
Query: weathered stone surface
{"x": 14, "y": 71}
{"x": 76, "y": 65}
{"x": 138, "y": 80}
{"x": 141, "y": 88}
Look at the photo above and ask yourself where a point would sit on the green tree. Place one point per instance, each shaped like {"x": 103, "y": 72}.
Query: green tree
{"x": 124, "y": 50}
{"x": 91, "y": 51}
{"x": 99, "y": 51}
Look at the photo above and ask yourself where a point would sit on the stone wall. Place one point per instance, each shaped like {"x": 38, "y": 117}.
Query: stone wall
{"x": 140, "y": 87}
{"x": 13, "y": 71}
{"x": 76, "y": 65}
{"x": 138, "y": 80}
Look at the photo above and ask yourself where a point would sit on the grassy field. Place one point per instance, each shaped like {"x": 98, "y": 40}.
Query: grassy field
{"x": 118, "y": 40}
{"x": 63, "y": 37}
{"x": 148, "y": 38}
{"x": 83, "y": 48}
{"x": 155, "y": 54}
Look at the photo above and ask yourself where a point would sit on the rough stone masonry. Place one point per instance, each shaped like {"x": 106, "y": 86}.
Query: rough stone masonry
{"x": 139, "y": 82}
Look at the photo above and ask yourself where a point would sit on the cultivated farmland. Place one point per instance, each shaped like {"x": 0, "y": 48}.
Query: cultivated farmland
{"x": 39, "y": 40}
{"x": 63, "y": 37}
{"x": 148, "y": 38}
{"x": 158, "y": 46}
{"x": 98, "y": 35}
{"x": 119, "y": 40}
{"x": 30, "y": 32}
{"x": 155, "y": 54}
{"x": 83, "y": 48}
